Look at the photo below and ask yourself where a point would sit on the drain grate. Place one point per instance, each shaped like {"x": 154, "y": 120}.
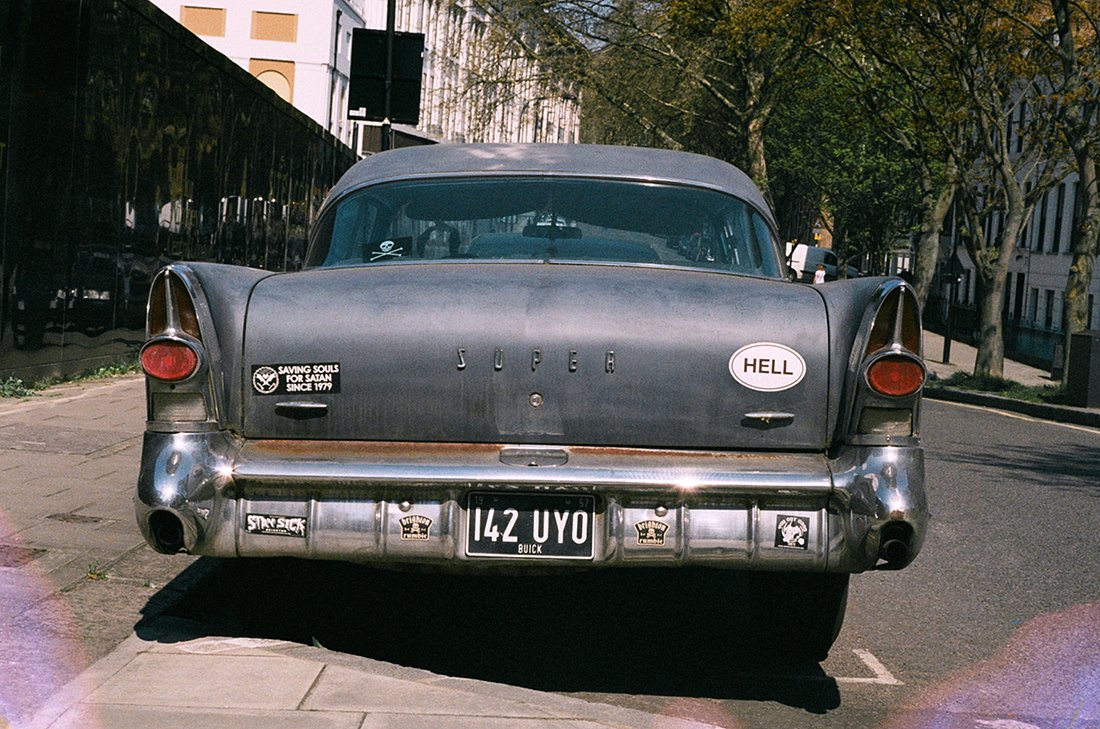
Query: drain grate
{"x": 71, "y": 518}
{"x": 12, "y": 556}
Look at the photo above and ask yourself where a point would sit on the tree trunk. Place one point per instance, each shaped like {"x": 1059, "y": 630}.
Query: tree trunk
{"x": 1086, "y": 232}
{"x": 991, "y": 346}
{"x": 936, "y": 207}
{"x": 992, "y": 276}
{"x": 756, "y": 115}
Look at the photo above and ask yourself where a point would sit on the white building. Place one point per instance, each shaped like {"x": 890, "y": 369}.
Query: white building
{"x": 299, "y": 48}
{"x": 474, "y": 92}
{"x": 302, "y": 50}
{"x": 1035, "y": 290}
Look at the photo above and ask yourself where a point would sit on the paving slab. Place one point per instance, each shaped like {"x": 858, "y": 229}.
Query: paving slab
{"x": 247, "y": 682}
{"x": 404, "y": 721}
{"x": 346, "y": 689}
{"x": 144, "y": 717}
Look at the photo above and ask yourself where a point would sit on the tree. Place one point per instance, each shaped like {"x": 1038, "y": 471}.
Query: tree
{"x": 704, "y": 74}
{"x": 902, "y": 91}
{"x": 1069, "y": 39}
{"x": 831, "y": 154}
{"x": 983, "y": 66}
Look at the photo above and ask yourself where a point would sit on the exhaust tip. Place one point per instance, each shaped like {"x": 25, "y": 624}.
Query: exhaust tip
{"x": 166, "y": 532}
{"x": 895, "y": 545}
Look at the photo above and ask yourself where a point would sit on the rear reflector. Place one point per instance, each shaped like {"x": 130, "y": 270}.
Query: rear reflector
{"x": 169, "y": 361}
{"x": 886, "y": 421}
{"x": 895, "y": 376}
{"x": 179, "y": 406}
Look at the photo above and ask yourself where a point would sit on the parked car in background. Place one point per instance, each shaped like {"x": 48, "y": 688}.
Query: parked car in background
{"x": 803, "y": 260}
{"x": 530, "y": 400}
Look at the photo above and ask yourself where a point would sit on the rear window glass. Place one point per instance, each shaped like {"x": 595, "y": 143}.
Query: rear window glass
{"x": 549, "y": 219}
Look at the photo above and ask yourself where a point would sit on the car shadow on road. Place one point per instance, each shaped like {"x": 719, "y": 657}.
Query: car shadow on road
{"x": 1069, "y": 467}
{"x": 640, "y": 632}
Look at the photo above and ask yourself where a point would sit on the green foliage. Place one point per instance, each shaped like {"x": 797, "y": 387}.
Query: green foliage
{"x": 96, "y": 573}
{"x": 829, "y": 156}
{"x": 1005, "y": 388}
{"x": 14, "y": 387}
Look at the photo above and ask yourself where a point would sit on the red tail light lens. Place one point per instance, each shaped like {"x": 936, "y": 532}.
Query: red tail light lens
{"x": 895, "y": 376}
{"x": 169, "y": 361}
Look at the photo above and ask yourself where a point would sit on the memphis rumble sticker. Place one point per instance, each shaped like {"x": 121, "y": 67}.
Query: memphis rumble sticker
{"x": 285, "y": 379}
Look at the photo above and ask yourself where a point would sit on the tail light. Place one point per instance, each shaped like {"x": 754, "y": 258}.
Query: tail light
{"x": 169, "y": 360}
{"x": 171, "y": 308}
{"x": 895, "y": 376}
{"x": 890, "y": 368}
{"x": 175, "y": 355}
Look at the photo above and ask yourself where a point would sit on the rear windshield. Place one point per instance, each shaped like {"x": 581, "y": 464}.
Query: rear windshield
{"x": 548, "y": 219}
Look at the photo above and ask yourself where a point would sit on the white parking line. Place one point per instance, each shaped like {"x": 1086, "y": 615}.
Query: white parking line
{"x": 1019, "y": 416}
{"x": 882, "y": 675}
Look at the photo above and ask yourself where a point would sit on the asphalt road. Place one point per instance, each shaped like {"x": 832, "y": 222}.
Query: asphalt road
{"x": 997, "y": 624}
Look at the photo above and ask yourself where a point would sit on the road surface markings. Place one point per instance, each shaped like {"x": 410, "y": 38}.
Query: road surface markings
{"x": 1027, "y": 418}
{"x": 882, "y": 674}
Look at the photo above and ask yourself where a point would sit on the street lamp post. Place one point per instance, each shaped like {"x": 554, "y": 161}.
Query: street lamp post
{"x": 387, "y": 126}
{"x": 954, "y": 272}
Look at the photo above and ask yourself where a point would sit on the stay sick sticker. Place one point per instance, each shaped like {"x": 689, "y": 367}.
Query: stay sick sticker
{"x": 286, "y": 379}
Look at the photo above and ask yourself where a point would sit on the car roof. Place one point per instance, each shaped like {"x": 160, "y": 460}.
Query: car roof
{"x": 575, "y": 160}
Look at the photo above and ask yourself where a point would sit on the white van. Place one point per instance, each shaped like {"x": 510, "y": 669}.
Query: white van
{"x": 803, "y": 261}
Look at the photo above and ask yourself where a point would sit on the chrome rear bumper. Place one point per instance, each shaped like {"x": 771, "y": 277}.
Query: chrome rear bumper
{"x": 214, "y": 494}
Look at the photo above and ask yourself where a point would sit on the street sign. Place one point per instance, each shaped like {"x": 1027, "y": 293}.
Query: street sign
{"x": 367, "y": 88}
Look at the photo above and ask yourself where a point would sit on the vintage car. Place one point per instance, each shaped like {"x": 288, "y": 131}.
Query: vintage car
{"x": 523, "y": 400}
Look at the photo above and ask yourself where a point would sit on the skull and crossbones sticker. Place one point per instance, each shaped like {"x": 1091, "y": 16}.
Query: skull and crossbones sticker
{"x": 386, "y": 249}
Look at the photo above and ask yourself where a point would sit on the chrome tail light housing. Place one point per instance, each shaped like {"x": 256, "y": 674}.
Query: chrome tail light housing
{"x": 176, "y": 355}
{"x": 887, "y": 372}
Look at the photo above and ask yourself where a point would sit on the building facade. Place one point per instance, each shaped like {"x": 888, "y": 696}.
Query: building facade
{"x": 1034, "y": 305}
{"x": 301, "y": 49}
{"x": 472, "y": 90}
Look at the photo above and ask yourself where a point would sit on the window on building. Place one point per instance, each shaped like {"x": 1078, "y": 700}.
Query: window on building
{"x": 276, "y": 75}
{"x": 203, "y": 21}
{"x": 281, "y": 27}
{"x": 1088, "y": 325}
{"x": 1033, "y": 306}
{"x": 1018, "y": 303}
{"x": 1059, "y": 209}
{"x": 1020, "y": 127}
{"x": 1024, "y": 242}
{"x": 1041, "y": 234}
{"x": 1074, "y": 210}
{"x": 1048, "y": 314}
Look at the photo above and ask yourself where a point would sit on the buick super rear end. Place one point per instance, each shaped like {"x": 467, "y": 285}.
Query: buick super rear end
{"x": 505, "y": 357}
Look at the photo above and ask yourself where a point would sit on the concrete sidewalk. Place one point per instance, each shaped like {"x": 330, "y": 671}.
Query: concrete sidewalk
{"x": 963, "y": 357}
{"x": 73, "y": 567}
{"x": 246, "y": 683}
{"x": 76, "y": 578}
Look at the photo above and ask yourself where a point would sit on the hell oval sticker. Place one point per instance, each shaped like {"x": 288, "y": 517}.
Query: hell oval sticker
{"x": 767, "y": 367}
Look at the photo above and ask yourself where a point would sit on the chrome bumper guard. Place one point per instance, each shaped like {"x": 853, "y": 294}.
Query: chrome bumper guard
{"x": 215, "y": 494}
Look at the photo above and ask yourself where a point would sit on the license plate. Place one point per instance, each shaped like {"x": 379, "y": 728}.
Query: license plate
{"x": 557, "y": 526}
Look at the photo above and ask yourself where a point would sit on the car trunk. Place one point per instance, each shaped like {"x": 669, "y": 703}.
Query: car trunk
{"x": 571, "y": 354}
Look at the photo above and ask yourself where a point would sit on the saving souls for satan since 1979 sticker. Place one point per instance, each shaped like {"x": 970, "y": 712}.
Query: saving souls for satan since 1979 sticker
{"x": 283, "y": 379}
